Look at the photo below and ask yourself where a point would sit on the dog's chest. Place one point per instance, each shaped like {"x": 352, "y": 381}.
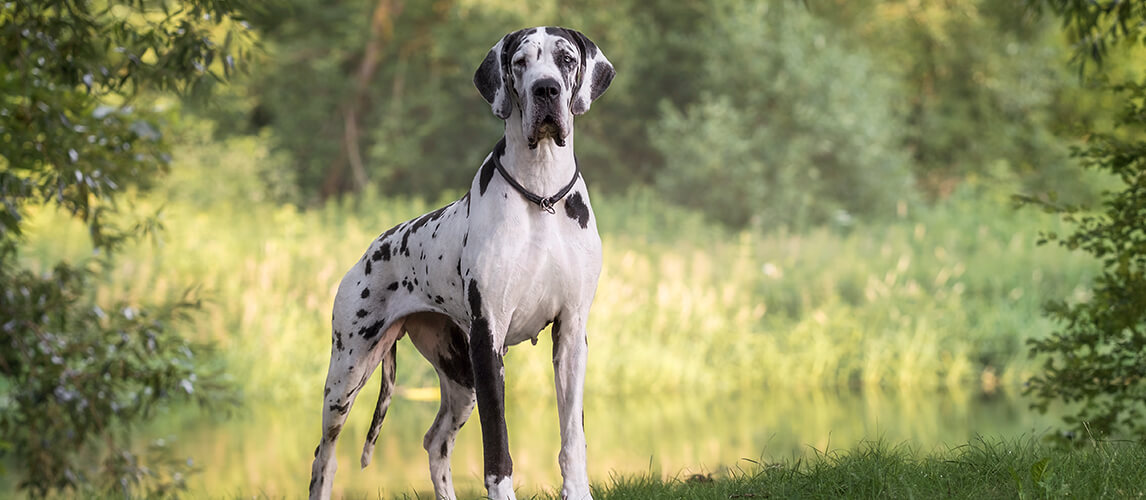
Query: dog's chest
{"x": 531, "y": 264}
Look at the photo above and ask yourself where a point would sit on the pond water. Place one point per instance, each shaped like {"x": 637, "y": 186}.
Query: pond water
{"x": 267, "y": 449}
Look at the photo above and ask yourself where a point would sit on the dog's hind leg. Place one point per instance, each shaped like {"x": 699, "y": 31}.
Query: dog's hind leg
{"x": 388, "y": 366}
{"x": 352, "y": 360}
{"x": 445, "y": 345}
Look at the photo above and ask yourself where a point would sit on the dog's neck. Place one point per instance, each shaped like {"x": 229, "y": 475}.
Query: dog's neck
{"x": 543, "y": 169}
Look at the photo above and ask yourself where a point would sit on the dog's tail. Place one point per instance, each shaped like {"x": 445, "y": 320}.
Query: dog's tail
{"x": 388, "y": 365}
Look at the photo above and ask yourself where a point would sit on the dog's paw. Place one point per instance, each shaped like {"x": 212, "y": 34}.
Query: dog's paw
{"x": 576, "y": 493}
{"x": 500, "y": 488}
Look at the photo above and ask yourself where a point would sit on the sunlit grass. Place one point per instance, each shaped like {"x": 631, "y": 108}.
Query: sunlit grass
{"x": 980, "y": 469}
{"x": 1020, "y": 468}
{"x": 945, "y": 297}
{"x": 931, "y": 297}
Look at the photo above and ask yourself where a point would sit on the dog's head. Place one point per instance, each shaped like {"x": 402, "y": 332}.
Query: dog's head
{"x": 548, "y": 75}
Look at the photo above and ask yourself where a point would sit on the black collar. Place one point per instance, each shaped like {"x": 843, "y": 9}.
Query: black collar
{"x": 546, "y": 204}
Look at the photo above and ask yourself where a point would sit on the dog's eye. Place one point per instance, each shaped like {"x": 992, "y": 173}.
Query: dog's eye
{"x": 567, "y": 59}
{"x": 519, "y": 63}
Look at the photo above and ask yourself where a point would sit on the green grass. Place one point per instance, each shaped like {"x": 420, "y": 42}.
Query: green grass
{"x": 978, "y": 470}
{"x": 1023, "y": 468}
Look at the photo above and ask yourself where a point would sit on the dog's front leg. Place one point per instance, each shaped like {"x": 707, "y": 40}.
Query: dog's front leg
{"x": 489, "y": 384}
{"x": 570, "y": 349}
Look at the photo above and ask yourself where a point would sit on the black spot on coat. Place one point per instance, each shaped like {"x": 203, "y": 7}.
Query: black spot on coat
{"x": 343, "y": 408}
{"x": 415, "y": 226}
{"x": 383, "y": 253}
{"x": 576, "y": 209}
{"x": 588, "y": 48}
{"x": 405, "y": 250}
{"x": 490, "y": 386}
{"x": 369, "y": 332}
{"x": 455, "y": 359}
{"x": 389, "y": 232}
{"x": 487, "y": 169}
{"x": 556, "y": 336}
{"x": 474, "y": 297}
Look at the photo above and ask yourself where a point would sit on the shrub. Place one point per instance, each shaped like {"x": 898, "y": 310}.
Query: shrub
{"x": 774, "y": 142}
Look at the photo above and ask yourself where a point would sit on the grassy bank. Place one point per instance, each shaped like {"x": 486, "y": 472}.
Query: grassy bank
{"x": 981, "y": 469}
{"x": 978, "y": 470}
{"x": 930, "y": 297}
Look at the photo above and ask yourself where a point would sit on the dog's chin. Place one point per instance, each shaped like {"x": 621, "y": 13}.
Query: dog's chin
{"x": 547, "y": 128}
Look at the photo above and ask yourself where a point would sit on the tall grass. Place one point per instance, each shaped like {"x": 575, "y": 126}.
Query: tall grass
{"x": 940, "y": 297}
{"x": 932, "y": 297}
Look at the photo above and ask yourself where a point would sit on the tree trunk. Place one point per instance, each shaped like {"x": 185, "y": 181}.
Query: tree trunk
{"x": 381, "y": 33}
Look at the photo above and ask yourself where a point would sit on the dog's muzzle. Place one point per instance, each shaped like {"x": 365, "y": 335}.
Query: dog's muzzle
{"x": 546, "y": 96}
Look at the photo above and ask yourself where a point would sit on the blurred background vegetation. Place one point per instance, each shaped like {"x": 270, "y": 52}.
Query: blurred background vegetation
{"x": 794, "y": 197}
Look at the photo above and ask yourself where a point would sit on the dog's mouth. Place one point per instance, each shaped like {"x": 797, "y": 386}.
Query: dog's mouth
{"x": 548, "y": 127}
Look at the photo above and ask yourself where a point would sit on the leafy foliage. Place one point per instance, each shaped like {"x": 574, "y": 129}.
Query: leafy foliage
{"x": 980, "y": 80}
{"x": 76, "y": 371}
{"x": 802, "y": 149}
{"x": 369, "y": 93}
{"x": 1098, "y": 359}
{"x": 376, "y": 94}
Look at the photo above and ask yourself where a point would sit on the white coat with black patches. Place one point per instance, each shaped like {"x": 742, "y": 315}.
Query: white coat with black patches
{"x": 519, "y": 251}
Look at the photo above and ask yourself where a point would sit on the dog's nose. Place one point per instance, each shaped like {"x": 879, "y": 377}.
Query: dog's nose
{"x": 546, "y": 89}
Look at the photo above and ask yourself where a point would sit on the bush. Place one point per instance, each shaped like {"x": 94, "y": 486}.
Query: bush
{"x": 1097, "y": 359}
{"x": 775, "y": 143}
{"x": 76, "y": 371}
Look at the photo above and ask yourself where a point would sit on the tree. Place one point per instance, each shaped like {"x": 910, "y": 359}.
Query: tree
{"x": 1097, "y": 361}
{"x": 380, "y": 91}
{"x": 980, "y": 83}
{"x": 371, "y": 92}
{"x": 75, "y": 131}
{"x": 775, "y": 142}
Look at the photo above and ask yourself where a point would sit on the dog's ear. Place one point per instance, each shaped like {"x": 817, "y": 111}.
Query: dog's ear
{"x": 596, "y": 74}
{"x": 492, "y": 76}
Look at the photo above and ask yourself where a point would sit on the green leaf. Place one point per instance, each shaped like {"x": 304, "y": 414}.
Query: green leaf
{"x": 1039, "y": 469}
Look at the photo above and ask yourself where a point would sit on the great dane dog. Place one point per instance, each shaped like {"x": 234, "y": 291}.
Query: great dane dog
{"x": 516, "y": 253}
